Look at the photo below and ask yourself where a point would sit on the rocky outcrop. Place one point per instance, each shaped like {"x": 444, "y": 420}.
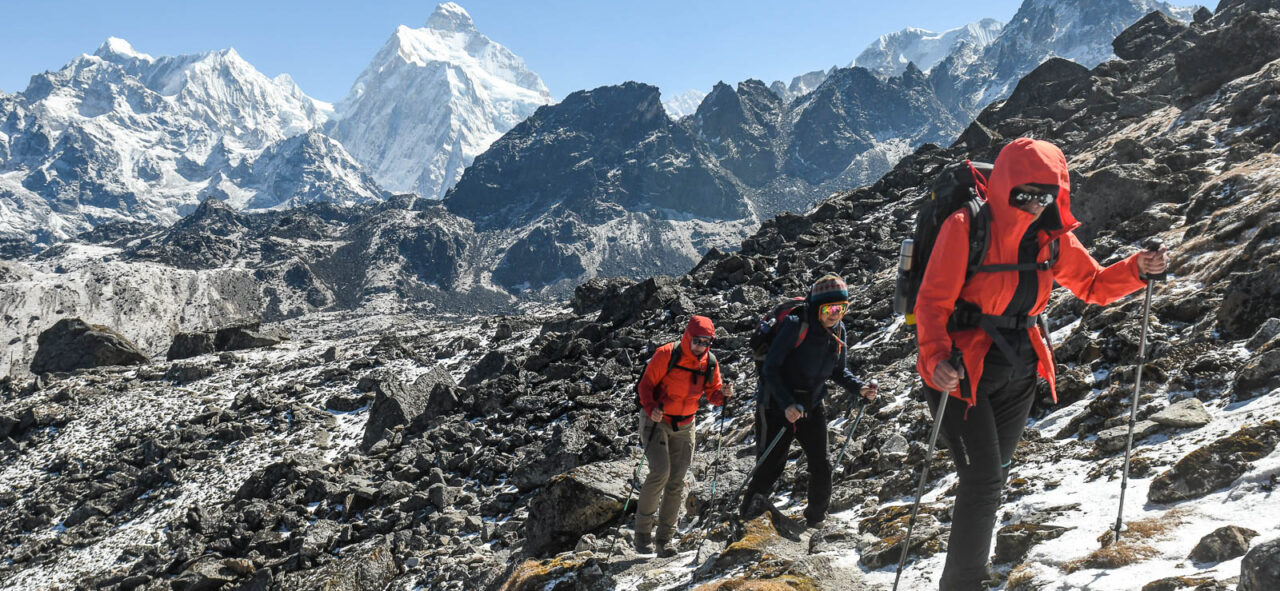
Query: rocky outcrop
{"x": 1216, "y": 465}
{"x": 397, "y": 403}
{"x": 73, "y": 344}
{"x": 1222, "y": 544}
{"x": 1260, "y": 568}
{"x": 576, "y": 503}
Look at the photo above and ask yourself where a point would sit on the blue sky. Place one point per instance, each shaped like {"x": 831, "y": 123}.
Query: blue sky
{"x": 571, "y": 44}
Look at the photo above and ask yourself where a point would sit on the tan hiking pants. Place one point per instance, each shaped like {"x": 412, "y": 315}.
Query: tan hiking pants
{"x": 668, "y": 453}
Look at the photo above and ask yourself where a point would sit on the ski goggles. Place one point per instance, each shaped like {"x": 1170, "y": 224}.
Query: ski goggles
{"x": 833, "y": 308}
{"x": 1019, "y": 197}
{"x": 702, "y": 341}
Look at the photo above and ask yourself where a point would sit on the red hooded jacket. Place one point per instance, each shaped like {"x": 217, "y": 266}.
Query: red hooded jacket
{"x": 1023, "y": 161}
{"x": 679, "y": 390}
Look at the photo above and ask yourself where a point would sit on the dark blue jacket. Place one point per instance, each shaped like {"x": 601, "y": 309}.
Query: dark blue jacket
{"x": 798, "y": 374}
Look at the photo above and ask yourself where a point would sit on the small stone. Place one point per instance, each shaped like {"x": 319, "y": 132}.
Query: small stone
{"x": 1115, "y": 438}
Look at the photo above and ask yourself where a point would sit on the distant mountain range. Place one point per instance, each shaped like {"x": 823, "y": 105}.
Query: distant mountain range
{"x": 536, "y": 197}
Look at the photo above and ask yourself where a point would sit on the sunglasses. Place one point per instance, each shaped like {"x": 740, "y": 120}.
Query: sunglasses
{"x": 1020, "y": 197}
{"x": 702, "y": 341}
{"x": 839, "y": 308}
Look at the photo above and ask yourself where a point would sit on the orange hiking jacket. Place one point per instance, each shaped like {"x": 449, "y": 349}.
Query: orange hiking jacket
{"x": 1022, "y": 161}
{"x": 679, "y": 390}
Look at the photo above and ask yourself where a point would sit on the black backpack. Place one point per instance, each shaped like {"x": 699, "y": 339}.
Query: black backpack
{"x": 767, "y": 328}
{"x": 674, "y": 363}
{"x": 960, "y": 185}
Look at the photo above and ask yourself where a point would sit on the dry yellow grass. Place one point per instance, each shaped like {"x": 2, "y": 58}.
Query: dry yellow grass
{"x": 1132, "y": 547}
{"x": 1020, "y": 577}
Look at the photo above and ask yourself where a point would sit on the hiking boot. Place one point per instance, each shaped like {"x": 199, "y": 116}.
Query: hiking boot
{"x": 644, "y": 543}
{"x": 814, "y": 523}
{"x": 752, "y": 507}
{"x": 665, "y": 549}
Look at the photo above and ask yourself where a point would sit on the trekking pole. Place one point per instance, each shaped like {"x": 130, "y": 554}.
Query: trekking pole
{"x": 715, "y": 478}
{"x": 957, "y": 362}
{"x": 862, "y": 406}
{"x": 743, "y": 486}
{"x": 1153, "y": 245}
{"x": 635, "y": 475}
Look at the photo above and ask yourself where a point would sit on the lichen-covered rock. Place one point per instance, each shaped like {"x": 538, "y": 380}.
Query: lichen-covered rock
{"x": 890, "y": 525}
{"x": 577, "y": 571}
{"x": 1215, "y": 465}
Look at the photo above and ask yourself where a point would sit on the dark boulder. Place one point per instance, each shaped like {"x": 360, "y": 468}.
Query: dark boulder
{"x": 370, "y": 566}
{"x": 493, "y": 364}
{"x": 397, "y": 403}
{"x": 190, "y": 344}
{"x": 1014, "y": 541}
{"x": 1250, "y": 299}
{"x": 73, "y": 344}
{"x": 245, "y": 336}
{"x": 575, "y": 503}
{"x": 1262, "y": 371}
{"x": 1216, "y": 465}
{"x": 1224, "y": 543}
{"x": 1260, "y": 569}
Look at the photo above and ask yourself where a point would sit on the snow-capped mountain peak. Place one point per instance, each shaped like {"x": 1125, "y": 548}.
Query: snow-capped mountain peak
{"x": 115, "y": 47}
{"x": 467, "y": 90}
{"x": 122, "y": 135}
{"x": 685, "y": 103}
{"x": 890, "y": 54}
{"x": 451, "y": 17}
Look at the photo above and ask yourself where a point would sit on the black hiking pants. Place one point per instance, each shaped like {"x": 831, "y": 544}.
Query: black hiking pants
{"x": 982, "y": 446}
{"x": 811, "y": 431}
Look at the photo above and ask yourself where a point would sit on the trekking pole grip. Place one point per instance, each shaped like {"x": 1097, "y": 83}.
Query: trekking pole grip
{"x": 1153, "y": 245}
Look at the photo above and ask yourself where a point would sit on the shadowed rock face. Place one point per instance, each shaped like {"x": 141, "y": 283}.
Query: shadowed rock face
{"x": 1260, "y": 568}
{"x": 73, "y": 344}
{"x": 612, "y": 147}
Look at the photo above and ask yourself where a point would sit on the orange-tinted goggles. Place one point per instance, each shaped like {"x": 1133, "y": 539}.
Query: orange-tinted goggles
{"x": 833, "y": 308}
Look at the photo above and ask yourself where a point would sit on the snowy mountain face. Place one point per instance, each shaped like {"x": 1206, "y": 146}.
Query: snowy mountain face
{"x": 890, "y": 54}
{"x": 432, "y": 100}
{"x": 120, "y": 135}
{"x": 800, "y": 85}
{"x": 974, "y": 76}
{"x": 684, "y": 104}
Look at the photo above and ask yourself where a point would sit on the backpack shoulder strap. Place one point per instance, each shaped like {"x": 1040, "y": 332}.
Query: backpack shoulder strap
{"x": 979, "y": 234}
{"x": 674, "y": 361}
{"x": 711, "y": 368}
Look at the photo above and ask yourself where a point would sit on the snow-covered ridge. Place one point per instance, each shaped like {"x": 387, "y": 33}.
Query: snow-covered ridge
{"x": 467, "y": 91}
{"x": 890, "y": 54}
{"x": 122, "y": 135}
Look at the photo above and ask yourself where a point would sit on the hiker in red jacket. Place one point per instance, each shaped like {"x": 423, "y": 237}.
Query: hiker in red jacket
{"x": 669, "y": 396}
{"x": 990, "y": 317}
